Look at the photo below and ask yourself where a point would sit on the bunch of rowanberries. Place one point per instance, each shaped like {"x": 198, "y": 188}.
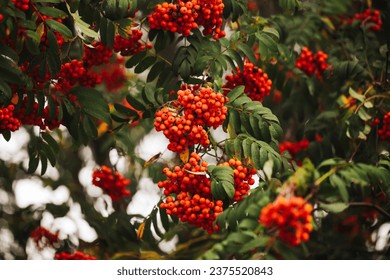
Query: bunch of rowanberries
{"x": 8, "y": 122}
{"x": 193, "y": 202}
{"x": 242, "y": 178}
{"x": 189, "y": 178}
{"x": 75, "y": 256}
{"x": 183, "y": 16}
{"x": 111, "y": 182}
{"x": 180, "y": 130}
{"x": 207, "y": 107}
{"x": 312, "y": 63}
{"x": 384, "y": 130}
{"x": 194, "y": 209}
{"x": 33, "y": 118}
{"x": 256, "y": 81}
{"x": 73, "y": 73}
{"x": 368, "y": 17}
{"x": 294, "y": 147}
{"x": 183, "y": 123}
{"x": 42, "y": 237}
{"x": 23, "y": 5}
{"x": 291, "y": 218}
{"x": 130, "y": 45}
{"x": 97, "y": 54}
{"x": 114, "y": 75}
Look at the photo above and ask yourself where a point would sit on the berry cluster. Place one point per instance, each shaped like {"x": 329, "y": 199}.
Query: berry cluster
{"x": 23, "y": 5}
{"x": 384, "y": 131}
{"x": 193, "y": 202}
{"x": 8, "y": 122}
{"x": 182, "y": 16}
{"x": 131, "y": 45}
{"x": 368, "y": 17}
{"x": 197, "y": 210}
{"x": 312, "y": 63}
{"x": 76, "y": 256}
{"x": 33, "y": 118}
{"x": 183, "y": 124}
{"x": 112, "y": 183}
{"x": 43, "y": 237}
{"x": 97, "y": 54}
{"x": 207, "y": 107}
{"x": 189, "y": 178}
{"x": 256, "y": 81}
{"x": 114, "y": 75}
{"x": 1, "y": 17}
{"x": 294, "y": 148}
{"x": 73, "y": 73}
{"x": 290, "y": 217}
{"x": 242, "y": 178}
{"x": 181, "y": 132}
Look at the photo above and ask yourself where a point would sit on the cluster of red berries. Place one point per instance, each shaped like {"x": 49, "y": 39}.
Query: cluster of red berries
{"x": 23, "y": 5}
{"x": 97, "y": 54}
{"x": 75, "y": 256}
{"x": 312, "y": 63}
{"x": 73, "y": 73}
{"x": 42, "y": 237}
{"x": 131, "y": 45}
{"x": 242, "y": 178}
{"x": 1, "y": 17}
{"x": 291, "y": 218}
{"x": 384, "y": 131}
{"x": 256, "y": 81}
{"x": 194, "y": 209}
{"x": 183, "y": 123}
{"x": 189, "y": 178}
{"x": 112, "y": 183}
{"x": 181, "y": 132}
{"x": 207, "y": 107}
{"x": 294, "y": 148}
{"x": 193, "y": 202}
{"x": 368, "y": 17}
{"x": 8, "y": 122}
{"x": 114, "y": 75}
{"x": 43, "y": 121}
{"x": 182, "y": 16}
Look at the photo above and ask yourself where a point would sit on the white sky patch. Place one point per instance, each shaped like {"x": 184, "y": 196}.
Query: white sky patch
{"x": 32, "y": 192}
{"x": 13, "y": 151}
{"x": 146, "y": 197}
{"x": 152, "y": 144}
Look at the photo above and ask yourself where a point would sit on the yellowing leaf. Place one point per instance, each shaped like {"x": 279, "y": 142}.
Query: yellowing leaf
{"x": 140, "y": 231}
{"x": 185, "y": 156}
{"x": 152, "y": 159}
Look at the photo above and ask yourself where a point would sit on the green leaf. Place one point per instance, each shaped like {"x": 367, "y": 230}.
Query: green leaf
{"x": 53, "y": 12}
{"x": 92, "y": 103}
{"x": 59, "y": 27}
{"x": 336, "y": 207}
{"x": 235, "y": 93}
{"x": 50, "y": 141}
{"x": 155, "y": 71}
{"x": 135, "y": 103}
{"x": 145, "y": 64}
{"x": 247, "y": 51}
{"x": 338, "y": 183}
{"x": 135, "y": 59}
{"x": 47, "y": 1}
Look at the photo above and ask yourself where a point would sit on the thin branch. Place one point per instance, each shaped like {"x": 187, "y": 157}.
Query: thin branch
{"x": 371, "y": 205}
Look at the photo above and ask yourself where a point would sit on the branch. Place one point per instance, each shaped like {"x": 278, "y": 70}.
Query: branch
{"x": 372, "y": 205}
